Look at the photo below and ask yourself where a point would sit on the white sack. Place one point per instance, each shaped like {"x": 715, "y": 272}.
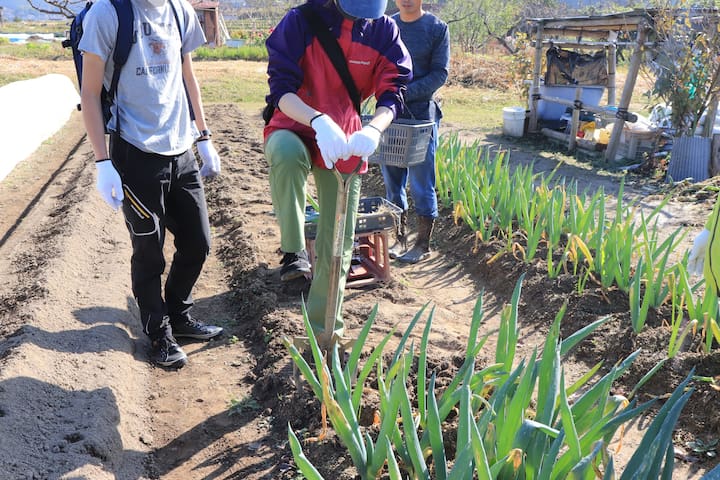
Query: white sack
{"x": 31, "y": 111}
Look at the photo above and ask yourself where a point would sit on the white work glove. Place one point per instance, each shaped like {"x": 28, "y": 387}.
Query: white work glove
{"x": 331, "y": 140}
{"x": 363, "y": 143}
{"x": 696, "y": 260}
{"x": 109, "y": 184}
{"x": 209, "y": 157}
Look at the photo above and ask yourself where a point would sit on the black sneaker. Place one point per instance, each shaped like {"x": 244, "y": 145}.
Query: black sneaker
{"x": 191, "y": 328}
{"x": 167, "y": 353}
{"x": 294, "y": 265}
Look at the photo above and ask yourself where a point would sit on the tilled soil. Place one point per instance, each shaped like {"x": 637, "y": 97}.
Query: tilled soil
{"x": 79, "y": 400}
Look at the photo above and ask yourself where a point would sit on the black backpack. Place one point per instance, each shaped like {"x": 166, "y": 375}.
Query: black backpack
{"x": 124, "y": 11}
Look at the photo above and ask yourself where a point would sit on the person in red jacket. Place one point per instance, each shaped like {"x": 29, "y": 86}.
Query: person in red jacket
{"x": 315, "y": 127}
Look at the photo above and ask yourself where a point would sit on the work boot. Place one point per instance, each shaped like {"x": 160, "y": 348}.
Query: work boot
{"x": 421, "y": 249}
{"x": 294, "y": 265}
{"x": 188, "y": 327}
{"x": 165, "y": 351}
{"x": 400, "y": 245}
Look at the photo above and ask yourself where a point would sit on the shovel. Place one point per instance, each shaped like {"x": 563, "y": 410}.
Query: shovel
{"x": 328, "y": 338}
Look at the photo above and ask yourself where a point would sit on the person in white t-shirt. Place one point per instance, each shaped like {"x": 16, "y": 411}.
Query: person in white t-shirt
{"x": 149, "y": 168}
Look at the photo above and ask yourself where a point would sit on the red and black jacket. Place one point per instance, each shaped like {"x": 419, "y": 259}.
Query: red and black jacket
{"x": 377, "y": 59}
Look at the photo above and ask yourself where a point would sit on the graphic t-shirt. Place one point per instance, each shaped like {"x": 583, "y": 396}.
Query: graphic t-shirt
{"x": 151, "y": 102}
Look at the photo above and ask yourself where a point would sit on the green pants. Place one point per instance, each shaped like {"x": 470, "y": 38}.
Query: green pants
{"x": 290, "y": 165}
{"x": 711, "y": 267}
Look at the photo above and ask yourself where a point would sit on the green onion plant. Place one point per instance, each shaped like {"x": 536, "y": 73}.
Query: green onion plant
{"x": 514, "y": 418}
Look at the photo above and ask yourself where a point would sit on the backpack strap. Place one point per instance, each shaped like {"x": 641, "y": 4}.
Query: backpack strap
{"x": 333, "y": 51}
{"x": 123, "y": 41}
{"x": 123, "y": 44}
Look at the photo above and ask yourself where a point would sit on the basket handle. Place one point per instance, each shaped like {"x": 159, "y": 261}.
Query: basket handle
{"x": 405, "y": 108}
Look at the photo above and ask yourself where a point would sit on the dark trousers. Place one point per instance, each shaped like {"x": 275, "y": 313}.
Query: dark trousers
{"x": 162, "y": 193}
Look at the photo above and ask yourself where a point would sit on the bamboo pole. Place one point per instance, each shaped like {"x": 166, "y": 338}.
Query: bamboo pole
{"x": 575, "y": 123}
{"x": 535, "y": 88}
{"x": 612, "y": 69}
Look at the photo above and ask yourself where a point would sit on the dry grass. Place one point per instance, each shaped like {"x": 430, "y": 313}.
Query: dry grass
{"x": 14, "y": 68}
{"x": 480, "y": 71}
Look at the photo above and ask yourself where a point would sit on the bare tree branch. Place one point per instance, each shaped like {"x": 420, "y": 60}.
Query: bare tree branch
{"x": 65, "y": 8}
{"x": 455, "y": 20}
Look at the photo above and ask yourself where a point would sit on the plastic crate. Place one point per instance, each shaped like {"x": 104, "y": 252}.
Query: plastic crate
{"x": 403, "y": 144}
{"x": 374, "y": 214}
{"x": 370, "y": 260}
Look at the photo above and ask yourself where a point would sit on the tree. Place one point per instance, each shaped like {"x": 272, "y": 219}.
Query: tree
{"x": 473, "y": 23}
{"x": 686, "y": 66}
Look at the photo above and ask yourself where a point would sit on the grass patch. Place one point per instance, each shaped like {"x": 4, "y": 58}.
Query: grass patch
{"x": 35, "y": 50}
{"x": 245, "y": 52}
{"x": 49, "y": 26}
{"x": 238, "y": 81}
{"x": 478, "y": 108}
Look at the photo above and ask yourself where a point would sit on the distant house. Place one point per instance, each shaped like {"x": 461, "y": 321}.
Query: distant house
{"x": 208, "y": 11}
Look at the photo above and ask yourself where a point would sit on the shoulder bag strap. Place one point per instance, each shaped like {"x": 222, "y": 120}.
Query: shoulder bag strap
{"x": 333, "y": 50}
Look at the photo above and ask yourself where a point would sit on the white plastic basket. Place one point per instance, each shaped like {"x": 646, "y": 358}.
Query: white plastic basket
{"x": 403, "y": 144}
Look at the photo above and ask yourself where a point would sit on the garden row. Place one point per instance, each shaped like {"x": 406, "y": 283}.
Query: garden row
{"x": 517, "y": 418}
{"x": 579, "y": 234}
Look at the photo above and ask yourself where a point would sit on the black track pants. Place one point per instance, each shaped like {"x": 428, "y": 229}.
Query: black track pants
{"x": 162, "y": 193}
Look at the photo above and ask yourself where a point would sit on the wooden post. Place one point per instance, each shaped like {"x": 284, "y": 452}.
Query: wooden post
{"x": 633, "y": 70}
{"x": 535, "y": 88}
{"x": 219, "y": 37}
{"x": 583, "y": 143}
{"x": 575, "y": 123}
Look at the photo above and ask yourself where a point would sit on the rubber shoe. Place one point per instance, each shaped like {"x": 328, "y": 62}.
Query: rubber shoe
{"x": 397, "y": 250}
{"x": 167, "y": 353}
{"x": 191, "y": 328}
{"x": 294, "y": 265}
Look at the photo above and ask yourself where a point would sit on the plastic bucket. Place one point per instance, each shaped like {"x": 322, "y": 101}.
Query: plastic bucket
{"x": 514, "y": 121}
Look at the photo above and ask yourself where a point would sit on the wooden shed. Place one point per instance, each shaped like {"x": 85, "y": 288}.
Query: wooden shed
{"x": 591, "y": 33}
{"x": 208, "y": 11}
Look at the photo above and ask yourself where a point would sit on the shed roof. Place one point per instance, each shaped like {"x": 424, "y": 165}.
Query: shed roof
{"x": 611, "y": 21}
{"x": 623, "y": 21}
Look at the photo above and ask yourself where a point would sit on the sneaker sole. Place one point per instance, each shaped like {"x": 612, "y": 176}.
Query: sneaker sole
{"x": 178, "y": 364}
{"x": 197, "y": 336}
